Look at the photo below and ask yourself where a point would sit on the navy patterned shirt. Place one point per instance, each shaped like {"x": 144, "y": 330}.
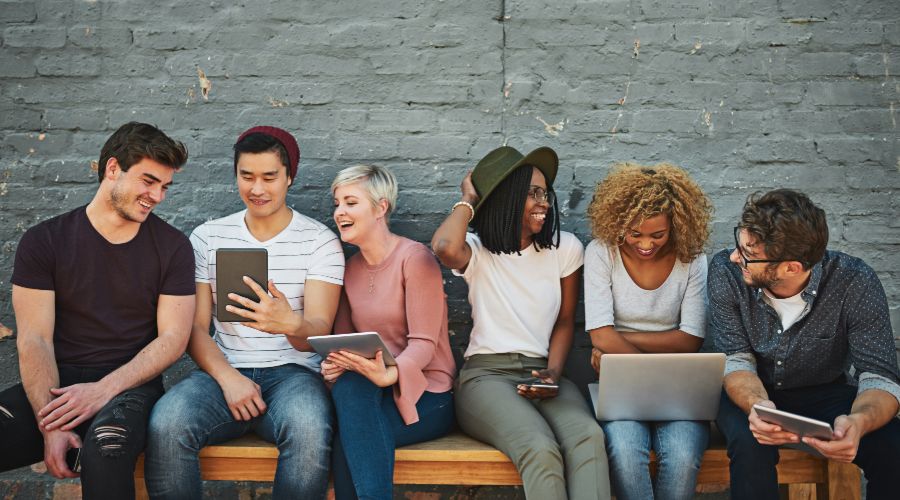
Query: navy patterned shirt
{"x": 846, "y": 323}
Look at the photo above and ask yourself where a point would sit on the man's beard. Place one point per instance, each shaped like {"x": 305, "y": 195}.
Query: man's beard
{"x": 767, "y": 280}
{"x": 119, "y": 203}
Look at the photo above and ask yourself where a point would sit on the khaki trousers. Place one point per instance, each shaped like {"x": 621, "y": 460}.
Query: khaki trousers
{"x": 556, "y": 443}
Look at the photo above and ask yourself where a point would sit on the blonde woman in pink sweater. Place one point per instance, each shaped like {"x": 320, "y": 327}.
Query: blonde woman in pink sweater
{"x": 392, "y": 286}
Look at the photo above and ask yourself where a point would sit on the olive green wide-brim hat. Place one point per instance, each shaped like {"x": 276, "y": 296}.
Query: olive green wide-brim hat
{"x": 499, "y": 163}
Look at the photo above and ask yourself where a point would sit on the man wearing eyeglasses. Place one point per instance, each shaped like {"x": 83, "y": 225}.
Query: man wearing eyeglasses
{"x": 792, "y": 318}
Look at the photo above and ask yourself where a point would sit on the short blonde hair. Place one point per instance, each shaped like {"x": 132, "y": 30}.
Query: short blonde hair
{"x": 378, "y": 182}
{"x": 633, "y": 193}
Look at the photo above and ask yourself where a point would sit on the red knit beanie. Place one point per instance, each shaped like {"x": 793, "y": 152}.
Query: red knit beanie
{"x": 282, "y": 136}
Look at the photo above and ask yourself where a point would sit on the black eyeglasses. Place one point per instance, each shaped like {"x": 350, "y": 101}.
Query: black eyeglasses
{"x": 744, "y": 259}
{"x": 541, "y": 195}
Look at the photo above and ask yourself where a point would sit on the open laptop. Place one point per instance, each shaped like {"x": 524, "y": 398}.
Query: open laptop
{"x": 658, "y": 387}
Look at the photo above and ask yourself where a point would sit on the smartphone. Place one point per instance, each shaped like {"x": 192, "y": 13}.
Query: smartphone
{"x": 537, "y": 384}
{"x": 73, "y": 459}
{"x": 798, "y": 424}
{"x": 541, "y": 385}
{"x": 232, "y": 264}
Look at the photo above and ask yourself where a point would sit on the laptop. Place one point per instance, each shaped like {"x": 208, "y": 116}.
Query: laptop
{"x": 658, "y": 387}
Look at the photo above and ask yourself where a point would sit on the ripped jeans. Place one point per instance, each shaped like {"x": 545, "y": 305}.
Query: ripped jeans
{"x": 112, "y": 440}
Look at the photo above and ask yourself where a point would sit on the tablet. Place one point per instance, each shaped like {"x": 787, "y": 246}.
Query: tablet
{"x": 798, "y": 424}
{"x": 363, "y": 344}
{"x": 232, "y": 264}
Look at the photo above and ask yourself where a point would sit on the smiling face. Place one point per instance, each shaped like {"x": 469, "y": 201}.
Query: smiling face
{"x": 648, "y": 240}
{"x": 535, "y": 213}
{"x": 262, "y": 182}
{"x": 755, "y": 274}
{"x": 354, "y": 213}
{"x": 137, "y": 191}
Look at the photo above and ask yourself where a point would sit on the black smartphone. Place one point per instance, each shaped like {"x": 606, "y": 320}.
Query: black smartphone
{"x": 73, "y": 459}
{"x": 232, "y": 264}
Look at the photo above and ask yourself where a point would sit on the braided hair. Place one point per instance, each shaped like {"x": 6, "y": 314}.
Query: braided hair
{"x": 498, "y": 222}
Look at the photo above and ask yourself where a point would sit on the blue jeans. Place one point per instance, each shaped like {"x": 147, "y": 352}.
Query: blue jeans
{"x": 679, "y": 447}
{"x": 370, "y": 428}
{"x": 193, "y": 414}
{"x": 753, "y": 465}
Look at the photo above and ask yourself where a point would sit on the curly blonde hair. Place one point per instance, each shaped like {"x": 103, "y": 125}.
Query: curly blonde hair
{"x": 633, "y": 193}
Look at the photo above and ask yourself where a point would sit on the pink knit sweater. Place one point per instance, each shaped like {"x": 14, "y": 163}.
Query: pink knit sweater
{"x": 403, "y": 300}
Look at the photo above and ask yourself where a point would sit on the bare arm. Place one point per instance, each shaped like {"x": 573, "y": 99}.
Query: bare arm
{"x": 273, "y": 314}
{"x": 35, "y": 317}
{"x": 201, "y": 347}
{"x": 560, "y": 339}
{"x": 564, "y": 328}
{"x": 874, "y": 409}
{"x": 76, "y": 403}
{"x": 242, "y": 395}
{"x": 319, "y": 309}
{"x": 610, "y": 341}
{"x": 745, "y": 389}
{"x": 667, "y": 341}
{"x": 449, "y": 241}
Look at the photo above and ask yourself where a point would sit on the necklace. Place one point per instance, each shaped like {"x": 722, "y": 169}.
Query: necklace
{"x": 372, "y": 280}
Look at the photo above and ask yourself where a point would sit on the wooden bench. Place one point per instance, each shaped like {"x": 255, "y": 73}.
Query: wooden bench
{"x": 460, "y": 460}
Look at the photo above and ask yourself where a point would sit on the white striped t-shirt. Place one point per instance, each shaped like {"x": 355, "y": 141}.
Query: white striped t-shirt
{"x": 305, "y": 250}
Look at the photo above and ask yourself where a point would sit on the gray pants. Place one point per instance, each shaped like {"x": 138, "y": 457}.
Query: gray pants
{"x": 556, "y": 443}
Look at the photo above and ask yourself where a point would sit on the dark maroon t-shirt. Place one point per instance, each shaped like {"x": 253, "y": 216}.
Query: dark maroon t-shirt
{"x": 106, "y": 294}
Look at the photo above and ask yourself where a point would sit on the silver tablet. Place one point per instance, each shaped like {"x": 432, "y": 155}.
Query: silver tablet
{"x": 363, "y": 344}
{"x": 798, "y": 424}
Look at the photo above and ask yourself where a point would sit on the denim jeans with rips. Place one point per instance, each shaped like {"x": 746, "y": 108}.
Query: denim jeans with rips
{"x": 111, "y": 440}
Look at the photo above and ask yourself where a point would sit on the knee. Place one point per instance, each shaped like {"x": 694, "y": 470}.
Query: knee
{"x": 582, "y": 434}
{"x": 304, "y": 431}
{"x": 171, "y": 424}
{"x": 119, "y": 428}
{"x": 540, "y": 452}
{"x": 351, "y": 386}
{"x": 108, "y": 441}
{"x": 680, "y": 457}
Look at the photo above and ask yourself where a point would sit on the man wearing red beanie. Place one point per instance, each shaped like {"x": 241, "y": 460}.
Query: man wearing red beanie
{"x": 258, "y": 375}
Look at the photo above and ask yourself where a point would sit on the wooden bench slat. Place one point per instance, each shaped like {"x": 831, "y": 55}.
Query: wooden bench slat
{"x": 458, "y": 459}
{"x": 456, "y": 472}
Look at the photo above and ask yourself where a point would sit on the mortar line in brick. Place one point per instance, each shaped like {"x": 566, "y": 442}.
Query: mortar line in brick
{"x": 503, "y": 87}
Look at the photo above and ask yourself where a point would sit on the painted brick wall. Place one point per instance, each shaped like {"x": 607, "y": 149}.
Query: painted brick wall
{"x": 746, "y": 95}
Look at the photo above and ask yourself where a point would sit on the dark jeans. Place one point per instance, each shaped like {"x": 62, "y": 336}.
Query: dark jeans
{"x": 370, "y": 428}
{"x": 112, "y": 440}
{"x": 753, "y": 465}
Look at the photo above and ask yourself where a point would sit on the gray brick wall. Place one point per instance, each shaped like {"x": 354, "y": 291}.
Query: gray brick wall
{"x": 746, "y": 95}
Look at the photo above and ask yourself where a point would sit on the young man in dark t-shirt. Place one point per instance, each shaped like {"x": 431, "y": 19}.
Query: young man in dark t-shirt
{"x": 104, "y": 298}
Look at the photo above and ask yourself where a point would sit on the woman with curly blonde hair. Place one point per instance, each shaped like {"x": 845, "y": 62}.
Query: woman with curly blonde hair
{"x": 645, "y": 285}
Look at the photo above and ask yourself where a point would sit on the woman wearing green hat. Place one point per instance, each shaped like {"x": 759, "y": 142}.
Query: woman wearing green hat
{"x": 523, "y": 275}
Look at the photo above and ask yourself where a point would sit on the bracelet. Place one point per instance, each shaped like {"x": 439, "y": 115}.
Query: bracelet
{"x": 467, "y": 205}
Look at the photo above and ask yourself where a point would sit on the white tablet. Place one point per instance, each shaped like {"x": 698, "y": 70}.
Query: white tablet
{"x": 363, "y": 344}
{"x": 798, "y": 424}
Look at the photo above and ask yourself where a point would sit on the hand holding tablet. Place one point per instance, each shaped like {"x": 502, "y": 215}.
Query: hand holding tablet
{"x": 364, "y": 344}
{"x": 798, "y": 424}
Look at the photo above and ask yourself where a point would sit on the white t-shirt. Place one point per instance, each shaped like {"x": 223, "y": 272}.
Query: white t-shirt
{"x": 611, "y": 297}
{"x": 305, "y": 250}
{"x": 790, "y": 309}
{"x": 516, "y": 298}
